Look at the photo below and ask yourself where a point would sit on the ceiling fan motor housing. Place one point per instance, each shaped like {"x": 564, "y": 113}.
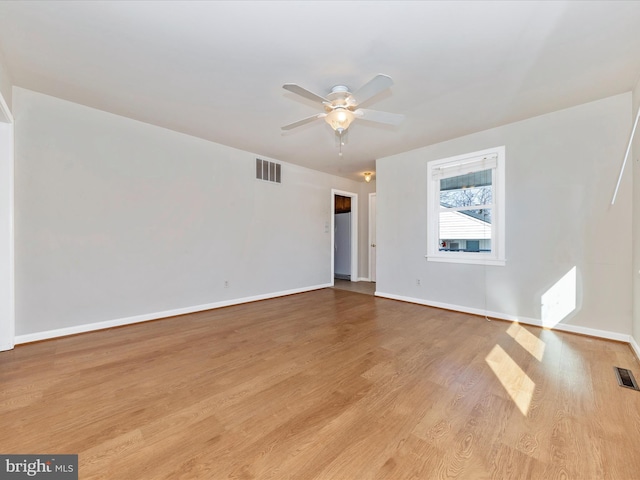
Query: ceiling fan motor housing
{"x": 339, "y": 97}
{"x": 340, "y": 89}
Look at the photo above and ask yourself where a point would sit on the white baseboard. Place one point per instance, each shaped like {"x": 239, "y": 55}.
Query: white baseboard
{"x": 364, "y": 279}
{"x": 634, "y": 346}
{"x": 90, "y": 327}
{"x": 6, "y": 346}
{"x": 592, "y": 332}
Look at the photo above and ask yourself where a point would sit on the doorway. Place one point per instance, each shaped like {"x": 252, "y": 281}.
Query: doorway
{"x": 348, "y": 228}
{"x": 342, "y": 238}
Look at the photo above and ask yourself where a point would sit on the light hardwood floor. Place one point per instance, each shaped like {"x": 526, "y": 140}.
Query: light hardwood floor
{"x": 368, "y": 288}
{"x": 328, "y": 384}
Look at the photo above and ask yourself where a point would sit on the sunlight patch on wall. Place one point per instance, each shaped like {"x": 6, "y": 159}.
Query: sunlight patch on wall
{"x": 517, "y": 383}
{"x": 560, "y": 300}
{"x": 527, "y": 340}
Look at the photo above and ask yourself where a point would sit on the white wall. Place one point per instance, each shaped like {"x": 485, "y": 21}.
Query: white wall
{"x": 561, "y": 170}
{"x": 116, "y": 219}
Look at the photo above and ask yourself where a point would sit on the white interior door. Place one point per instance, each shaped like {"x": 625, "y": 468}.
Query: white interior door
{"x": 372, "y": 237}
{"x": 342, "y": 246}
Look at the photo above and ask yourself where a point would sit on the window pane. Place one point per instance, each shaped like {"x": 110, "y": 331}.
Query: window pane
{"x": 467, "y": 190}
{"x": 465, "y": 231}
{"x": 482, "y": 214}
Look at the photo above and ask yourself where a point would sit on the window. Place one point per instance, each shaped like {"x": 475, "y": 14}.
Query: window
{"x": 466, "y": 208}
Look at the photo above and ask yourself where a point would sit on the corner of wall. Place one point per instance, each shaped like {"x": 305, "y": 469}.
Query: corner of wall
{"x": 6, "y": 83}
{"x": 7, "y": 289}
{"x": 635, "y": 228}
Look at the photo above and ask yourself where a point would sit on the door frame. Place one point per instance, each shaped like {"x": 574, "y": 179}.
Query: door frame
{"x": 372, "y": 227}
{"x": 7, "y": 262}
{"x": 354, "y": 232}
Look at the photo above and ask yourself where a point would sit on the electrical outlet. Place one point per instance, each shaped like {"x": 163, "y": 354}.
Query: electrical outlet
{"x": 417, "y": 282}
{"x": 226, "y": 284}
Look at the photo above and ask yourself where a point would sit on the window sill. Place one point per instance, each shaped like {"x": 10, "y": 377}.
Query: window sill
{"x": 465, "y": 259}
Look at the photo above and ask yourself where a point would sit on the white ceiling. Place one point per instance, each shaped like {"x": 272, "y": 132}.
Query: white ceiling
{"x": 216, "y": 69}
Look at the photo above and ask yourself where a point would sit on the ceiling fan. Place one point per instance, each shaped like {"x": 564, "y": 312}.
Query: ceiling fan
{"x": 341, "y": 106}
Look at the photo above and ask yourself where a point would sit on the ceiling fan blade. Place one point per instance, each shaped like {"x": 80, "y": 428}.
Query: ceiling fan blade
{"x": 379, "y": 117}
{"x": 304, "y": 121}
{"x": 303, "y": 92}
{"x": 370, "y": 89}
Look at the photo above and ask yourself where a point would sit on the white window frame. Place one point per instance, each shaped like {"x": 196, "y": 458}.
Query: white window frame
{"x": 493, "y": 158}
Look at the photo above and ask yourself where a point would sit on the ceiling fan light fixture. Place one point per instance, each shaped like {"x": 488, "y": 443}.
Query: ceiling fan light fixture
{"x": 339, "y": 119}
{"x": 341, "y": 107}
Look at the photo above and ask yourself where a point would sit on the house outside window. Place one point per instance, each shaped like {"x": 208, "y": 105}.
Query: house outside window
{"x": 466, "y": 208}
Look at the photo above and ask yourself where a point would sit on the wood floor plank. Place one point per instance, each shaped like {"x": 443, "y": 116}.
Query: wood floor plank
{"x": 329, "y": 384}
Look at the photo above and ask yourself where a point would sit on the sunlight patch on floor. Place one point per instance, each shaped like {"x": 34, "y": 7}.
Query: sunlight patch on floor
{"x": 527, "y": 340}
{"x": 517, "y": 383}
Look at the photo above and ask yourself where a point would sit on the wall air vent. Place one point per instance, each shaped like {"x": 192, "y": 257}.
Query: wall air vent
{"x": 268, "y": 171}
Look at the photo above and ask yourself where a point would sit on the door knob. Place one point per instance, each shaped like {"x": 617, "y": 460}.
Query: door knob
{"x": 373, "y": 245}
